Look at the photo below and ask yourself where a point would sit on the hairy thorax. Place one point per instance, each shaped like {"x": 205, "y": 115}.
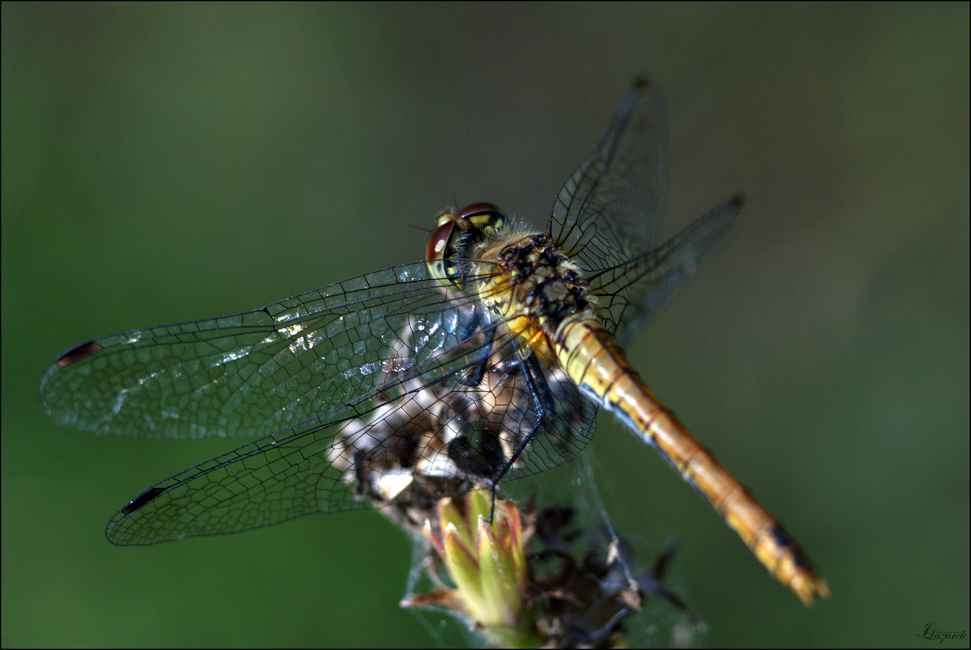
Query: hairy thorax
{"x": 534, "y": 288}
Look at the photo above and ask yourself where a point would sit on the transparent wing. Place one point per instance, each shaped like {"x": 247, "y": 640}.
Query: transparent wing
{"x": 282, "y": 476}
{"x": 633, "y": 291}
{"x": 419, "y": 441}
{"x": 263, "y": 370}
{"x": 606, "y": 215}
{"x": 382, "y": 389}
{"x": 607, "y": 211}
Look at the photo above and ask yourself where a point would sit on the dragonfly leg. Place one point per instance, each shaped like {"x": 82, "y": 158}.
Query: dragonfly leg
{"x": 541, "y": 397}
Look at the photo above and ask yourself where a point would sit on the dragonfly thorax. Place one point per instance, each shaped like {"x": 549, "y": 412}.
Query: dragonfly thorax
{"x": 523, "y": 278}
{"x": 533, "y": 286}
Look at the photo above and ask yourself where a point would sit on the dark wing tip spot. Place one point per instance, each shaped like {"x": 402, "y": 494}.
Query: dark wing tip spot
{"x": 78, "y": 353}
{"x": 147, "y": 496}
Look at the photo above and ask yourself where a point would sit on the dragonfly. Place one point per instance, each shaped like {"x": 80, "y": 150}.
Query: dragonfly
{"x": 484, "y": 362}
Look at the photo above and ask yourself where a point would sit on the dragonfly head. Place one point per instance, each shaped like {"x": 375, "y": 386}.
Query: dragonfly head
{"x": 455, "y": 239}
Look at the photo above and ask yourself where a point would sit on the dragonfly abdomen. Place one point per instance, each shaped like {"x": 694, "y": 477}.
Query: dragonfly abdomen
{"x": 594, "y": 360}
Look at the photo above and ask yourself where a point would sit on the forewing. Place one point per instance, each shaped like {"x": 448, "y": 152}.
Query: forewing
{"x": 606, "y": 215}
{"x": 607, "y": 211}
{"x": 264, "y": 370}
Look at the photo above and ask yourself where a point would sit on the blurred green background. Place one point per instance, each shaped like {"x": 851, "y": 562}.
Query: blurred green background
{"x": 169, "y": 162}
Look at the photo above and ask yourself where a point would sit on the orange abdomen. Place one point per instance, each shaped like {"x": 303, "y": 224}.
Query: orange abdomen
{"x": 593, "y": 359}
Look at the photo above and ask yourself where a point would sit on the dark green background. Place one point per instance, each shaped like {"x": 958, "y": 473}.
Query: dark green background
{"x": 164, "y": 163}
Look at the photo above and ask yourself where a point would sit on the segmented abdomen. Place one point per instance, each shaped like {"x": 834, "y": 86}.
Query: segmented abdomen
{"x": 594, "y": 360}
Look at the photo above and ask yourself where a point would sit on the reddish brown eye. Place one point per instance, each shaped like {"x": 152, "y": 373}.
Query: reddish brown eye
{"x": 477, "y": 208}
{"x": 439, "y": 241}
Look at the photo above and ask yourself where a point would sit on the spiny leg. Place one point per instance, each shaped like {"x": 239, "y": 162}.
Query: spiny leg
{"x": 541, "y": 398}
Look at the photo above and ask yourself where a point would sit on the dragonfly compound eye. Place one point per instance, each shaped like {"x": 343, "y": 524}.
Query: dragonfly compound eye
{"x": 438, "y": 242}
{"x": 456, "y": 237}
{"x": 484, "y": 218}
{"x": 487, "y": 210}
